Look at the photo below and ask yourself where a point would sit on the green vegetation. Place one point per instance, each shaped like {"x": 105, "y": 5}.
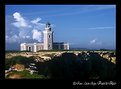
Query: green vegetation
{"x": 16, "y": 51}
{"x": 25, "y": 75}
{"x": 18, "y": 60}
{"x": 53, "y": 50}
{"x": 49, "y": 55}
{"x": 70, "y": 66}
{"x": 106, "y": 50}
{"x": 66, "y": 66}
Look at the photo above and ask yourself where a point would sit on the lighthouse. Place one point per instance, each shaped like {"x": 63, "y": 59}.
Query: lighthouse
{"x": 48, "y": 37}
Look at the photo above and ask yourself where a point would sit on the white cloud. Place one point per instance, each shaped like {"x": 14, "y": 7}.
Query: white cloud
{"x": 93, "y": 41}
{"x": 20, "y": 21}
{"x": 23, "y": 33}
{"x": 27, "y": 36}
{"x": 37, "y": 24}
{"x": 37, "y": 35}
{"x": 111, "y": 27}
{"x": 12, "y": 39}
{"x": 35, "y": 21}
{"x": 18, "y": 17}
{"x": 28, "y": 29}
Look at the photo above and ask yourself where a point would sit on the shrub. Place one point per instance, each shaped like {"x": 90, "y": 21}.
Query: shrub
{"x": 18, "y": 60}
{"x": 24, "y": 75}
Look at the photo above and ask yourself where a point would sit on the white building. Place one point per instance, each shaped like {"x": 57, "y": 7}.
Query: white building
{"x": 47, "y": 44}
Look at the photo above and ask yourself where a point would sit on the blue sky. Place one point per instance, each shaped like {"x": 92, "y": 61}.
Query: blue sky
{"x": 83, "y": 26}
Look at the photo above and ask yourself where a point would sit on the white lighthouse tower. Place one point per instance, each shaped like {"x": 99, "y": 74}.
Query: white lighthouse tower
{"x": 48, "y": 37}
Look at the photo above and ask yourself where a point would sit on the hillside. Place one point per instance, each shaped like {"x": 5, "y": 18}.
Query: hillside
{"x": 62, "y": 64}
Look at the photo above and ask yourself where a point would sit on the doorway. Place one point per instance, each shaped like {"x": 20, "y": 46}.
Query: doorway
{"x": 30, "y": 49}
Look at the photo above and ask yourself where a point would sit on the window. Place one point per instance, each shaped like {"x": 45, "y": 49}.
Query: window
{"x": 49, "y": 36}
{"x": 49, "y": 45}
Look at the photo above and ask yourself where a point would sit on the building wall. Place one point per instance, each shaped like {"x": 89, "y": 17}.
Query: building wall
{"x": 40, "y": 47}
{"x": 66, "y": 46}
{"x": 31, "y": 47}
{"x": 23, "y": 46}
{"x": 34, "y": 47}
{"x": 60, "y": 46}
